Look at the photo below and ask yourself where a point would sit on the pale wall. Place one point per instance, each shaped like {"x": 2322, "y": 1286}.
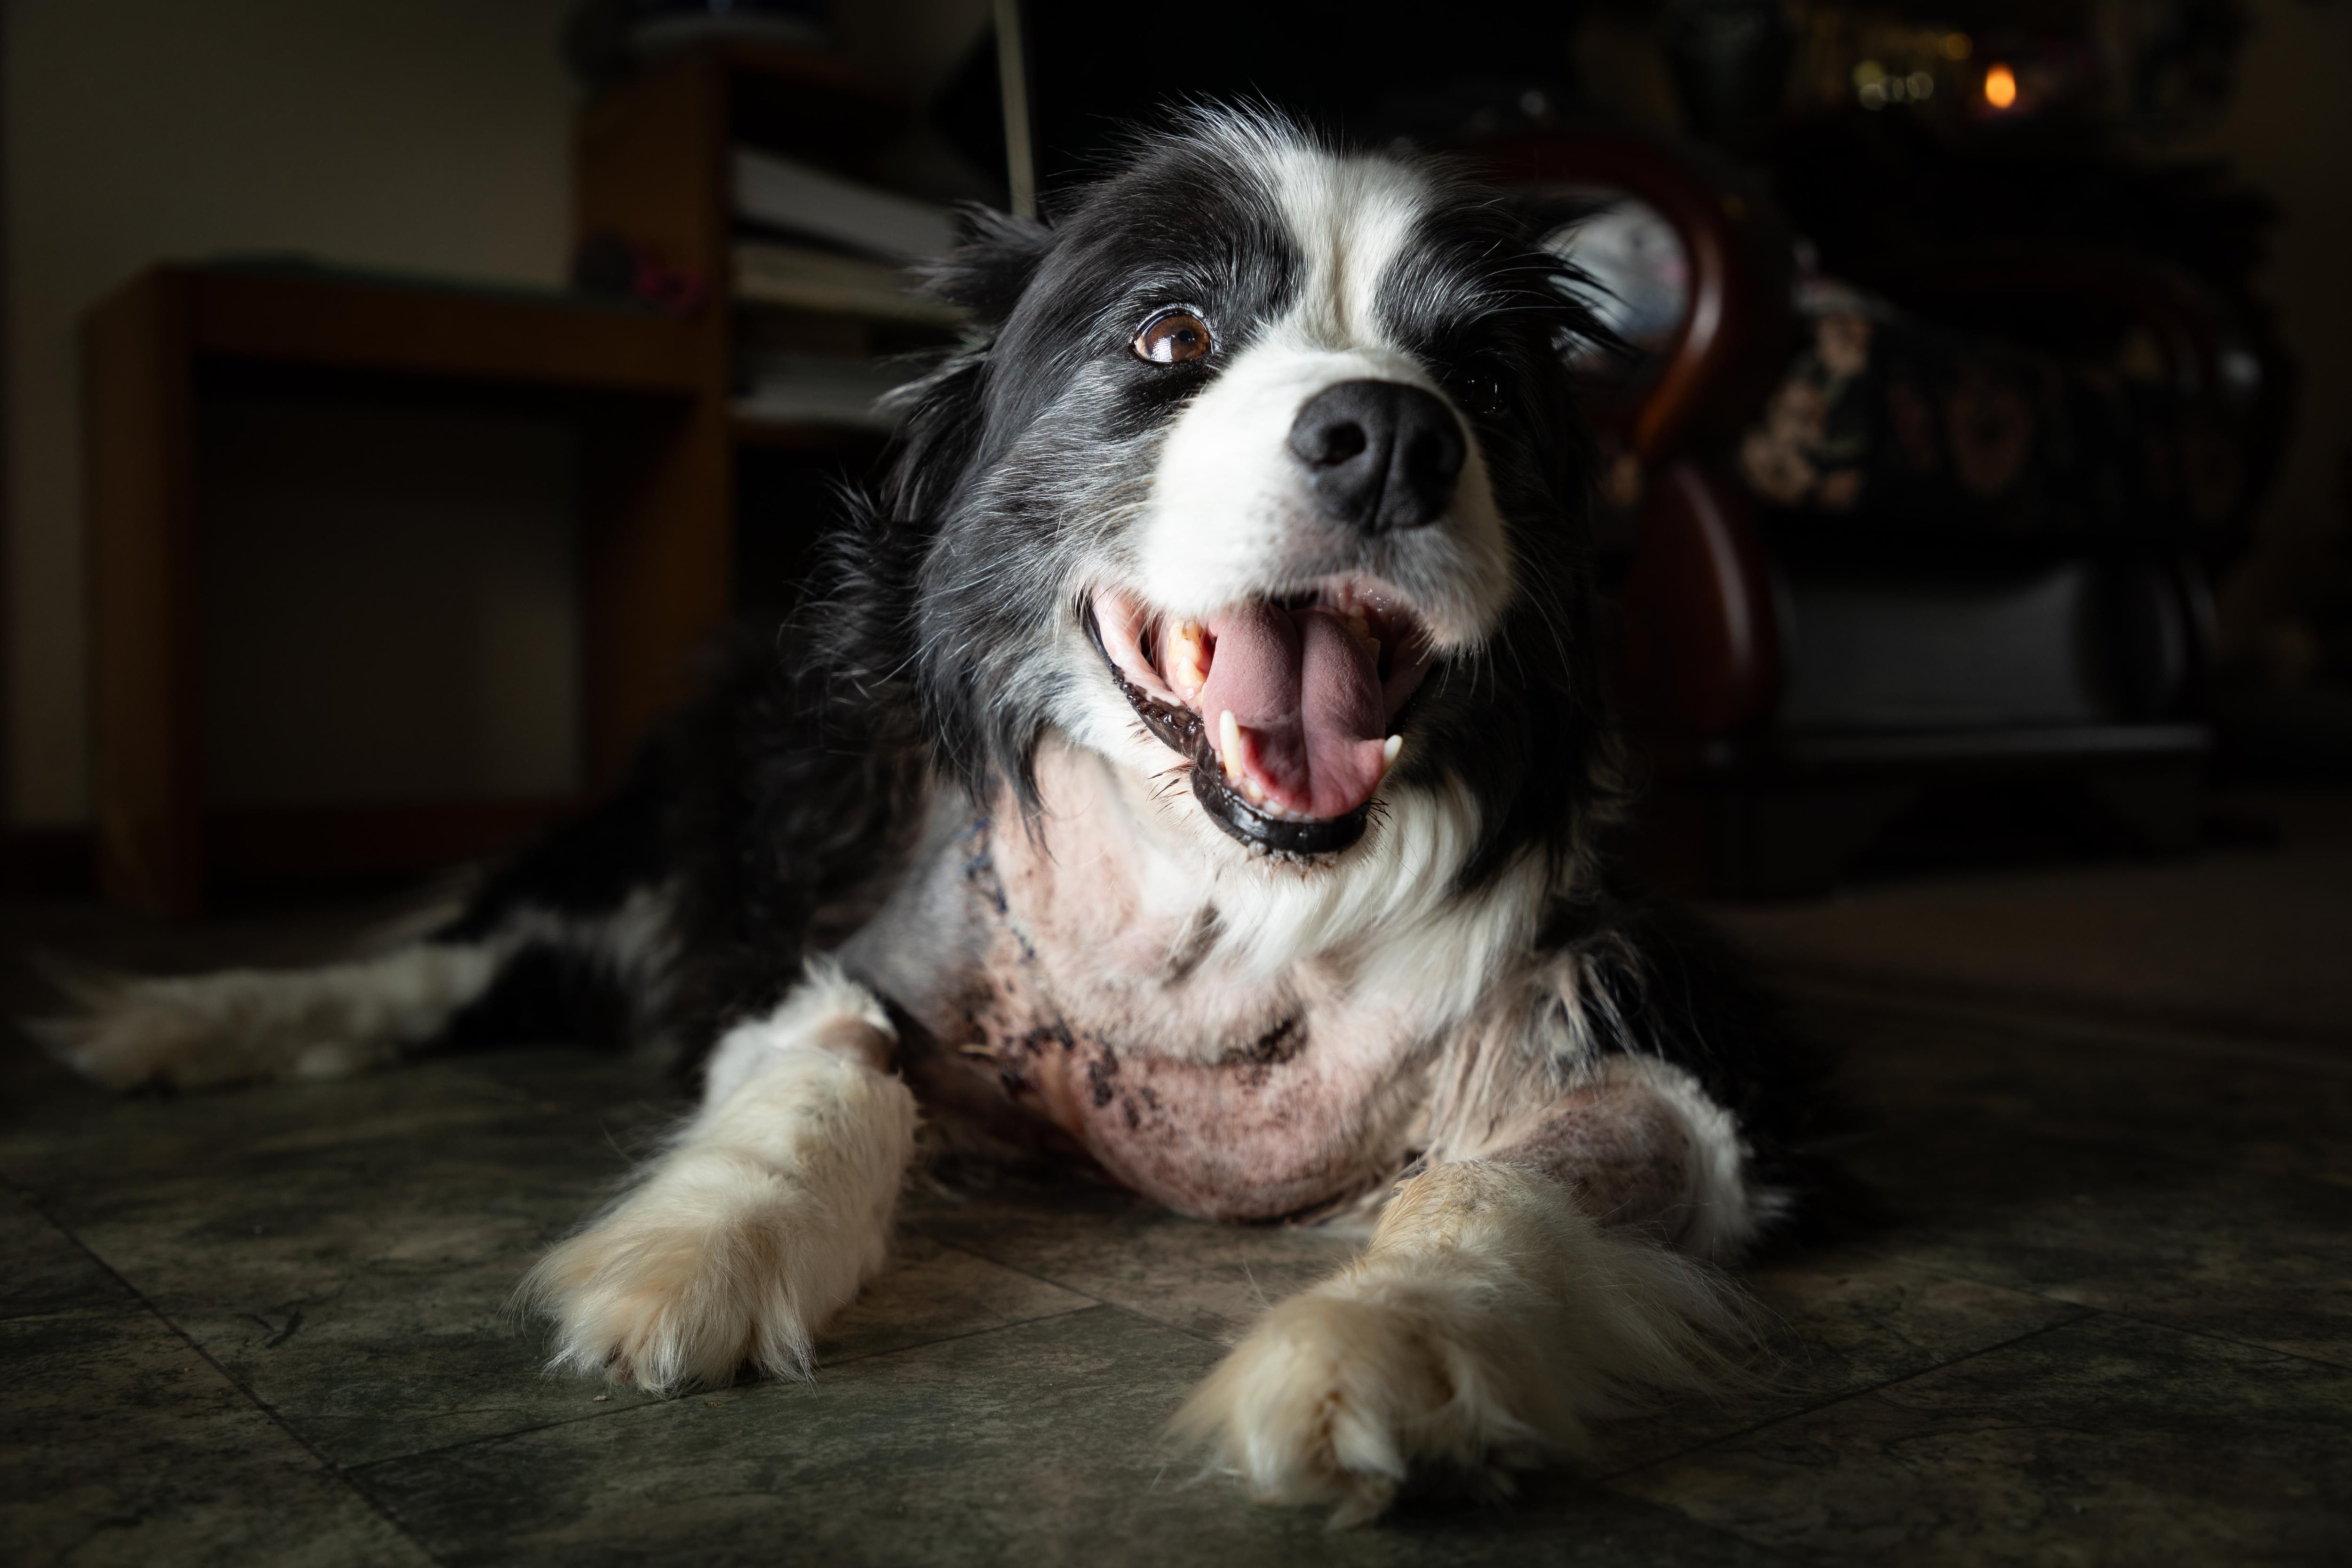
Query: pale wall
{"x": 417, "y": 134}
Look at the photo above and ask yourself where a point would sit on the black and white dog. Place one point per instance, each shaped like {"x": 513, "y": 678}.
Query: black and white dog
{"x": 1190, "y": 763}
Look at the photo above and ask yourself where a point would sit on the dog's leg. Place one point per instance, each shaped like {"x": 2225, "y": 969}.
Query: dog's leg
{"x": 762, "y": 1220}
{"x": 236, "y": 1026}
{"x": 1504, "y": 1302}
{"x": 206, "y": 1031}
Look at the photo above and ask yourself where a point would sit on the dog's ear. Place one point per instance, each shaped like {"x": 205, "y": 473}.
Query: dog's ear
{"x": 995, "y": 256}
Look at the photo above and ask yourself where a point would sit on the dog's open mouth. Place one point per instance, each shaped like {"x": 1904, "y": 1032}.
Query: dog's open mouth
{"x": 1283, "y": 705}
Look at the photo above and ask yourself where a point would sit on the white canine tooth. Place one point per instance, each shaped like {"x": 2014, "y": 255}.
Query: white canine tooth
{"x": 1389, "y": 750}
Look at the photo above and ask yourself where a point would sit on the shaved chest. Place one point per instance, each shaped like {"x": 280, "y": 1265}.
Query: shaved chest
{"x": 1093, "y": 1016}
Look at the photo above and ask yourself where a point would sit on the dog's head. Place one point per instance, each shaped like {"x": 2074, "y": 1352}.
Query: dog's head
{"x": 1266, "y": 474}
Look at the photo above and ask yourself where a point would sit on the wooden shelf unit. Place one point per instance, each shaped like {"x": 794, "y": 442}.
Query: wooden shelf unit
{"x": 655, "y": 394}
{"x": 653, "y": 552}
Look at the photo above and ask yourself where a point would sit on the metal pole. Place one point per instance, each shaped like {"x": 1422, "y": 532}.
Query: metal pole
{"x": 1012, "y": 81}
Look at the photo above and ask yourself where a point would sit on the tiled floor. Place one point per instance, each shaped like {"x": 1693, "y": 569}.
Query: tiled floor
{"x": 2106, "y": 1317}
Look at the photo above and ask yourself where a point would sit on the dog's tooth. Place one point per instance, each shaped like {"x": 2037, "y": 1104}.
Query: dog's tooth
{"x": 1188, "y": 664}
{"x": 1229, "y": 747}
{"x": 1389, "y": 750}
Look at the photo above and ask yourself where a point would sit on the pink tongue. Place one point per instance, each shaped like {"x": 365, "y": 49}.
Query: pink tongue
{"x": 1307, "y": 698}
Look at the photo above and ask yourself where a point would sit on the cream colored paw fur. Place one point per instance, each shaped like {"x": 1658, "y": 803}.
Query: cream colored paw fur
{"x": 1487, "y": 1325}
{"x": 761, "y": 1223}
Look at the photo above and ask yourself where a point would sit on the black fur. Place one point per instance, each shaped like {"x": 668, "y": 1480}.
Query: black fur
{"x": 778, "y": 806}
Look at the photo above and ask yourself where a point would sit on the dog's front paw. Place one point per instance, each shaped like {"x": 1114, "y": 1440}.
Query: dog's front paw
{"x": 678, "y": 1291}
{"x": 1335, "y": 1399}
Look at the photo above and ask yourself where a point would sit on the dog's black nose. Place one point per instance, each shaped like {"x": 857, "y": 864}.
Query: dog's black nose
{"x": 1379, "y": 455}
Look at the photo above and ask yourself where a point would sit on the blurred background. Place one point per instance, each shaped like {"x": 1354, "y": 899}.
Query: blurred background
{"x": 397, "y": 391}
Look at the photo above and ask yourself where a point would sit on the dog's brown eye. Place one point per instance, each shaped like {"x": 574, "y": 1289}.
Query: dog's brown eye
{"x": 1176, "y": 338}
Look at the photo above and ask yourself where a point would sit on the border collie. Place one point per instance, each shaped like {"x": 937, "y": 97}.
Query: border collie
{"x": 1190, "y": 764}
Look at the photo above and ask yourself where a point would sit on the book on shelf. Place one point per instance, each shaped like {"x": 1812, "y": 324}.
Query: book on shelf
{"x": 814, "y": 389}
{"x": 772, "y": 274}
{"x": 780, "y": 192}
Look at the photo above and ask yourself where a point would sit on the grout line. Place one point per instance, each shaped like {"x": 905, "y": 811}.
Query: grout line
{"x": 2041, "y": 1294}
{"x": 1611, "y": 1478}
{"x": 756, "y": 1383}
{"x": 337, "y": 1473}
{"x": 2217, "y": 1337}
{"x": 1060, "y": 1285}
{"x": 382, "y": 1459}
{"x": 971, "y": 1252}
{"x": 2083, "y": 1313}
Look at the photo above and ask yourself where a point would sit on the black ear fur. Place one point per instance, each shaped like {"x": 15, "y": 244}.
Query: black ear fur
{"x": 995, "y": 256}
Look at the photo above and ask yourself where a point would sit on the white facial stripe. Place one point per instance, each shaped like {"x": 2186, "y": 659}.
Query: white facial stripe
{"x": 1351, "y": 218}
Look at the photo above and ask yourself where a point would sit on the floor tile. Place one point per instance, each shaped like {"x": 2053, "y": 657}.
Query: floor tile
{"x": 1213, "y": 1280}
{"x": 348, "y": 1250}
{"x": 2280, "y": 1109}
{"x": 121, "y": 1445}
{"x": 1039, "y": 1445}
{"x": 2195, "y": 1188}
{"x": 2265, "y": 1262}
{"x": 2098, "y": 1441}
{"x": 1838, "y": 1321}
{"x": 928, "y": 1292}
{"x": 46, "y": 1270}
{"x": 2201, "y": 1245}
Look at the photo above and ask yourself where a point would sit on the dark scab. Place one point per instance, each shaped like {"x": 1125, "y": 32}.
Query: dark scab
{"x": 1100, "y": 1073}
{"x": 1279, "y": 1044}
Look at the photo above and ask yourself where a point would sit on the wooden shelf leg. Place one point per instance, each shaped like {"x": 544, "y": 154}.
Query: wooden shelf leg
{"x": 146, "y": 689}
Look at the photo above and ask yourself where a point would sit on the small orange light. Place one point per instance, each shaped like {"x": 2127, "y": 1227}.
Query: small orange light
{"x": 2000, "y": 87}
